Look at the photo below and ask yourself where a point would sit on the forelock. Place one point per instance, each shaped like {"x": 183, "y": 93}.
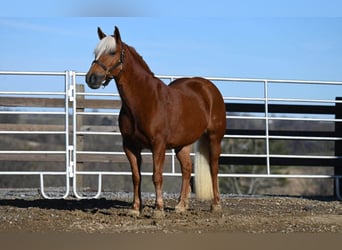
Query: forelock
{"x": 106, "y": 45}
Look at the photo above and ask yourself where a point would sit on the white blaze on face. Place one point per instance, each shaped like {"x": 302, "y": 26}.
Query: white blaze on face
{"x": 106, "y": 45}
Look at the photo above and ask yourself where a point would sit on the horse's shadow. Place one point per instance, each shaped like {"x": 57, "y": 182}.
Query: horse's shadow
{"x": 86, "y": 205}
{"x": 67, "y": 204}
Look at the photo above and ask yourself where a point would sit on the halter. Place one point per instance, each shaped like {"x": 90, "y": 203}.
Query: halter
{"x": 107, "y": 71}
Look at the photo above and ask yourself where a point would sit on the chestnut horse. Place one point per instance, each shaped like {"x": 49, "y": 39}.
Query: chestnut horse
{"x": 159, "y": 117}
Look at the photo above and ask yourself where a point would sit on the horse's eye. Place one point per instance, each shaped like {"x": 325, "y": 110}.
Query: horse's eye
{"x": 112, "y": 53}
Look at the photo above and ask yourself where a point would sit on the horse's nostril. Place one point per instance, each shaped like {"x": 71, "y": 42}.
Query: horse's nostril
{"x": 93, "y": 78}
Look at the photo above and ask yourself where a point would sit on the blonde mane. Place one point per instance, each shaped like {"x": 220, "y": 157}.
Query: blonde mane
{"x": 138, "y": 58}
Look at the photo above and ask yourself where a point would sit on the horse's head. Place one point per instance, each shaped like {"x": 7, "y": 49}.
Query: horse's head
{"x": 109, "y": 57}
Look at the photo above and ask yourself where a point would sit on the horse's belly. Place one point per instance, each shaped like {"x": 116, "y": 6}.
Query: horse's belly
{"x": 186, "y": 133}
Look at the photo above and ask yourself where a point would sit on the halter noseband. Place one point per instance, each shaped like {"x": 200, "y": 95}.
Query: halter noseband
{"x": 107, "y": 71}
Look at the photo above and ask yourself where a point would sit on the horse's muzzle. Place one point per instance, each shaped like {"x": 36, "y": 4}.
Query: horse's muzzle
{"x": 95, "y": 81}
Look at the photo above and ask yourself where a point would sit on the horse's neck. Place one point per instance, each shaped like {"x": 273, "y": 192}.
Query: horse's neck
{"x": 138, "y": 85}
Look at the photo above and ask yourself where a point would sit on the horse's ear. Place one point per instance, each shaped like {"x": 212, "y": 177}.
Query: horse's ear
{"x": 117, "y": 34}
{"x": 100, "y": 33}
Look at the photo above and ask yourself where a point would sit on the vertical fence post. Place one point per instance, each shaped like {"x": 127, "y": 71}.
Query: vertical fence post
{"x": 79, "y": 138}
{"x": 338, "y": 143}
{"x": 267, "y": 139}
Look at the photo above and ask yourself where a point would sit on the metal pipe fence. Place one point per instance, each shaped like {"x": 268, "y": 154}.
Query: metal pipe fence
{"x": 264, "y": 101}
{"x": 65, "y": 80}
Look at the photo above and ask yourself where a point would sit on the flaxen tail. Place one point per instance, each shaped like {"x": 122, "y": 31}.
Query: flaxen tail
{"x": 203, "y": 181}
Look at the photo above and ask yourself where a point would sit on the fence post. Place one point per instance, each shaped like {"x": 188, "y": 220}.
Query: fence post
{"x": 338, "y": 143}
{"x": 79, "y": 138}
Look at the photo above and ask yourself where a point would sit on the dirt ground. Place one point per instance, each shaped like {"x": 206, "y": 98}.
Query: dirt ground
{"x": 109, "y": 215}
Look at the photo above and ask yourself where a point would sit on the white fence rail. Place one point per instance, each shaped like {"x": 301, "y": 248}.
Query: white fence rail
{"x": 259, "y": 92}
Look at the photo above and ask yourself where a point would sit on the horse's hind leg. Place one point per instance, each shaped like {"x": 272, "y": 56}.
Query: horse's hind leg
{"x": 215, "y": 150}
{"x": 183, "y": 155}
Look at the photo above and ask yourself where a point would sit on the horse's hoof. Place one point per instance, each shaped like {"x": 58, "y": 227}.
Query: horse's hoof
{"x": 216, "y": 208}
{"x": 181, "y": 208}
{"x": 133, "y": 213}
{"x": 158, "y": 214}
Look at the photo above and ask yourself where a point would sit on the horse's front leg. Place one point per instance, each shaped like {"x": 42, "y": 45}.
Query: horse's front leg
{"x": 158, "y": 152}
{"x": 134, "y": 158}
